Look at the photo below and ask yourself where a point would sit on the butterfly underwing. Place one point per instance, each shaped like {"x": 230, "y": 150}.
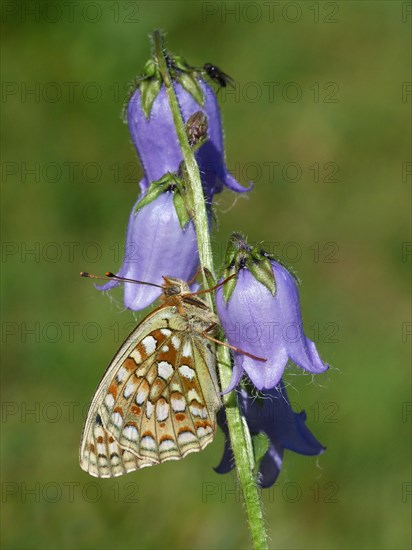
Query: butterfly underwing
{"x": 158, "y": 398}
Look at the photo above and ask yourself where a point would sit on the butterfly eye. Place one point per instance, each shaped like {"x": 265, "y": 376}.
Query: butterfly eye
{"x": 174, "y": 289}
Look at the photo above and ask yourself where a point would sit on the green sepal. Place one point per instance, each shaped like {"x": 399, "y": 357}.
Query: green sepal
{"x": 155, "y": 189}
{"x": 240, "y": 255}
{"x": 180, "y": 208}
{"x": 210, "y": 279}
{"x": 261, "y": 444}
{"x": 180, "y": 63}
{"x": 262, "y": 271}
{"x": 150, "y": 69}
{"x": 149, "y": 90}
{"x": 169, "y": 182}
{"x": 189, "y": 82}
{"x": 230, "y": 286}
{"x": 278, "y": 260}
{"x": 231, "y": 252}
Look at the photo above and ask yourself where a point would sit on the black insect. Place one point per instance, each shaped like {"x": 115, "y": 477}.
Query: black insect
{"x": 218, "y": 76}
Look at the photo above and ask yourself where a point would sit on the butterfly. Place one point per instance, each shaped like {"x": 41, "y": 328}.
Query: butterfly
{"x": 159, "y": 396}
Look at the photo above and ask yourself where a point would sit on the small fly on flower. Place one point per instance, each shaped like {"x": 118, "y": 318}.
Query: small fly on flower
{"x": 218, "y": 75}
{"x": 159, "y": 396}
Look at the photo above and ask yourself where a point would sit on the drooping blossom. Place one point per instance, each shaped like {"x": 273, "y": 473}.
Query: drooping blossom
{"x": 157, "y": 145}
{"x": 262, "y": 316}
{"x": 272, "y": 415}
{"x": 156, "y": 245}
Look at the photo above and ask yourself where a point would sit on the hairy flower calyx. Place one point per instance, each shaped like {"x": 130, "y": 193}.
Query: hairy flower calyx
{"x": 175, "y": 184}
{"x": 240, "y": 255}
{"x": 150, "y": 82}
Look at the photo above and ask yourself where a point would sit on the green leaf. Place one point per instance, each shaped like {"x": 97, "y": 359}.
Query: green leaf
{"x": 260, "y": 443}
{"x": 191, "y": 85}
{"x": 230, "y": 286}
{"x": 149, "y": 90}
{"x": 263, "y": 272}
{"x": 180, "y": 208}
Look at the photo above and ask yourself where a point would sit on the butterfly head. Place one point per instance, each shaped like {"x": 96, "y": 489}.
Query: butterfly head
{"x": 174, "y": 287}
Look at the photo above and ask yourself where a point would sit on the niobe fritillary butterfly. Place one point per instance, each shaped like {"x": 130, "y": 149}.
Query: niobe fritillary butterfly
{"x": 158, "y": 398}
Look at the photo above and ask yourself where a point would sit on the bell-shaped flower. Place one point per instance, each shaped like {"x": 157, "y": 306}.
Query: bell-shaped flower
{"x": 272, "y": 415}
{"x": 157, "y": 244}
{"x": 260, "y": 314}
{"x": 153, "y": 132}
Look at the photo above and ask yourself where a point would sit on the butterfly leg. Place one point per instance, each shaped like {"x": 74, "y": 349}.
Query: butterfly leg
{"x": 198, "y": 272}
{"x": 195, "y": 276}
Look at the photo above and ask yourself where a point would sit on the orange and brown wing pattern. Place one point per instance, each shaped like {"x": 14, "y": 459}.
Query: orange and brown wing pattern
{"x": 102, "y": 456}
{"x": 157, "y": 401}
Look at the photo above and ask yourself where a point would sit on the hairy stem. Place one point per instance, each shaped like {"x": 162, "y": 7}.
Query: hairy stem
{"x": 240, "y": 441}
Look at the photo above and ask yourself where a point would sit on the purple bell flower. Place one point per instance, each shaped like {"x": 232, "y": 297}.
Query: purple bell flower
{"x": 264, "y": 323}
{"x": 273, "y": 415}
{"x": 156, "y": 245}
{"x": 157, "y": 145}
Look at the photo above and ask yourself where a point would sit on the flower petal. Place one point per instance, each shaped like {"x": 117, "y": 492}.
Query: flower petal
{"x": 286, "y": 427}
{"x": 154, "y": 241}
{"x": 300, "y": 439}
{"x": 109, "y": 285}
{"x": 300, "y": 349}
{"x": 156, "y": 142}
{"x": 271, "y": 414}
{"x": 129, "y": 235}
{"x": 143, "y": 184}
{"x": 232, "y": 183}
{"x": 227, "y": 462}
{"x": 237, "y": 374}
{"x": 307, "y": 357}
{"x": 251, "y": 322}
{"x": 270, "y": 466}
{"x": 264, "y": 375}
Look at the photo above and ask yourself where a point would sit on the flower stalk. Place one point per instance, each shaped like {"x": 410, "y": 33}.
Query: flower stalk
{"x": 239, "y": 436}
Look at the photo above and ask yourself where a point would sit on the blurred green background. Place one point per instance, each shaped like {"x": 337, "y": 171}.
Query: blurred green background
{"x": 327, "y": 152}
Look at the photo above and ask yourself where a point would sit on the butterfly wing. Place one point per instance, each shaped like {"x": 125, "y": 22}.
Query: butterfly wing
{"x": 100, "y": 453}
{"x": 157, "y": 400}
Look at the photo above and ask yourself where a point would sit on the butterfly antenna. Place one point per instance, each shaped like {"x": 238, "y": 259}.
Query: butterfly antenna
{"x": 111, "y": 276}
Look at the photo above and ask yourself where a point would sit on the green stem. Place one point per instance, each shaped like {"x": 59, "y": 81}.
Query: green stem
{"x": 240, "y": 441}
